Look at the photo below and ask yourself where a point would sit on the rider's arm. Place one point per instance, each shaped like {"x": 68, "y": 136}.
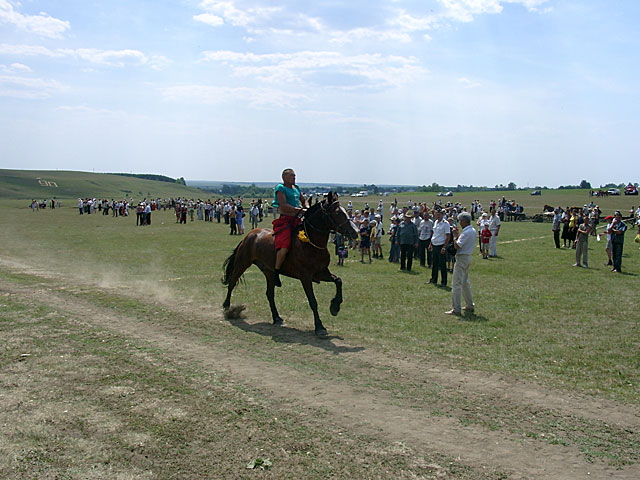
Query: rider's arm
{"x": 284, "y": 207}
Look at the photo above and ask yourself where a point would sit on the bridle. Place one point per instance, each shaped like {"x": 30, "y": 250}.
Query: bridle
{"x": 323, "y": 209}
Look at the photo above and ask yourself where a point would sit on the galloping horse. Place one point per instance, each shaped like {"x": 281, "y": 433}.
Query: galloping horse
{"x": 307, "y": 260}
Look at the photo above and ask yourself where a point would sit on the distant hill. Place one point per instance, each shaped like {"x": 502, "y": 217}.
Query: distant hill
{"x": 150, "y": 176}
{"x": 46, "y": 184}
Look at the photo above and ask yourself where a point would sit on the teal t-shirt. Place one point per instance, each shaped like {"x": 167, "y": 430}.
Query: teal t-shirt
{"x": 291, "y": 194}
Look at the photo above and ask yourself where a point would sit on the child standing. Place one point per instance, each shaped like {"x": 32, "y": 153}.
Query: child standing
{"x": 365, "y": 240}
{"x": 341, "y": 249}
{"x": 485, "y": 234}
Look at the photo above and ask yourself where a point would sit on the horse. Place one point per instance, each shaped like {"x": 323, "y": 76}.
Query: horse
{"x": 307, "y": 260}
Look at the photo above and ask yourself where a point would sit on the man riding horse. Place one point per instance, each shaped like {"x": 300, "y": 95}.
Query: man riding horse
{"x": 305, "y": 256}
{"x": 287, "y": 199}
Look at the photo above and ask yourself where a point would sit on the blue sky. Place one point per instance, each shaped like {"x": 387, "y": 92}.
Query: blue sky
{"x": 482, "y": 92}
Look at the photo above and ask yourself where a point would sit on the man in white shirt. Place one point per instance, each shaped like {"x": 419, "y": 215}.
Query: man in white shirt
{"x": 464, "y": 242}
{"x": 439, "y": 240}
{"x": 494, "y": 228}
{"x": 424, "y": 236}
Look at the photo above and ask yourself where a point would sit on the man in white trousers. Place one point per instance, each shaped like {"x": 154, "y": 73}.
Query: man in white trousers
{"x": 464, "y": 243}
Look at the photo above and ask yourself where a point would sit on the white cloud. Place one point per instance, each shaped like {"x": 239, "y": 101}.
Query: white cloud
{"x": 209, "y": 19}
{"x": 531, "y": 5}
{"x": 110, "y": 58}
{"x": 254, "y": 97}
{"x": 307, "y": 67}
{"x": 20, "y": 67}
{"x": 270, "y": 22}
{"x": 113, "y": 58}
{"x": 15, "y": 68}
{"x": 28, "y": 88}
{"x": 411, "y": 23}
{"x": 239, "y": 17}
{"x": 464, "y": 10}
{"x": 468, "y": 83}
{"x": 342, "y": 37}
{"x": 41, "y": 24}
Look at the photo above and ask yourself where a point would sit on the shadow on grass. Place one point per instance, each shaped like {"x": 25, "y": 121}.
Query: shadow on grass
{"x": 292, "y": 335}
{"x": 409, "y": 272}
{"x": 473, "y": 317}
{"x": 629, "y": 274}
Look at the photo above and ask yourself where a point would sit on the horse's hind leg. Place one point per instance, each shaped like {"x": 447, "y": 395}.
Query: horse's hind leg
{"x": 307, "y": 284}
{"x": 271, "y": 287}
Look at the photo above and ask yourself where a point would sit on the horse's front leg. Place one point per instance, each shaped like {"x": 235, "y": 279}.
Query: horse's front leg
{"x": 271, "y": 286}
{"x": 307, "y": 284}
{"x": 327, "y": 276}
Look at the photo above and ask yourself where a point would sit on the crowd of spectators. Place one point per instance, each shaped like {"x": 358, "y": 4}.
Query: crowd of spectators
{"x": 36, "y": 205}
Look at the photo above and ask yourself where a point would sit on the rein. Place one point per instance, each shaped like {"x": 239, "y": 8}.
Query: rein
{"x": 306, "y": 222}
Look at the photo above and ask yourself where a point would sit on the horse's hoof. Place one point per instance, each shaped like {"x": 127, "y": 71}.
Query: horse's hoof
{"x": 278, "y": 322}
{"x": 322, "y": 333}
{"x": 334, "y": 308}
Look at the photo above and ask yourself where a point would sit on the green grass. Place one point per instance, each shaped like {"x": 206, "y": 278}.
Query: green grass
{"x": 537, "y": 316}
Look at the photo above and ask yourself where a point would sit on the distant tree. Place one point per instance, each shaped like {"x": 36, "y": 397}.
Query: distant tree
{"x": 181, "y": 181}
{"x": 511, "y": 186}
{"x": 585, "y": 184}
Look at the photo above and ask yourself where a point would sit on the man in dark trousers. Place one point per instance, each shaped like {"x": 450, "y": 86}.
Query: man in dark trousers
{"x": 439, "y": 240}
{"x": 408, "y": 240}
{"x": 617, "y": 231}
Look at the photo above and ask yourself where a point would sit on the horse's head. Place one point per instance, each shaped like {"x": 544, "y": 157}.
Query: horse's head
{"x": 338, "y": 216}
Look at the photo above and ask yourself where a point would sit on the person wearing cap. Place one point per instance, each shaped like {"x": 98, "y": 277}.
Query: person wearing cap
{"x": 464, "y": 242}
{"x": 439, "y": 239}
{"x": 408, "y": 240}
{"x": 617, "y": 231}
{"x": 288, "y": 200}
{"x": 557, "y": 220}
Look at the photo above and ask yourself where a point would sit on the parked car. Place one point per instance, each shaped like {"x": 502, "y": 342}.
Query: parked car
{"x": 631, "y": 190}
{"x": 536, "y": 192}
{"x": 613, "y": 191}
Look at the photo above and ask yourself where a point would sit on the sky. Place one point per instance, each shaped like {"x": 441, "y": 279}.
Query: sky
{"x": 457, "y": 92}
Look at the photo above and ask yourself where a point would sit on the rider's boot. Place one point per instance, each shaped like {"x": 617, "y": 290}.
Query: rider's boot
{"x": 276, "y": 278}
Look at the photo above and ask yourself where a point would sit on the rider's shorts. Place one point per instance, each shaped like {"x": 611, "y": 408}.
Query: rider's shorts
{"x": 283, "y": 229}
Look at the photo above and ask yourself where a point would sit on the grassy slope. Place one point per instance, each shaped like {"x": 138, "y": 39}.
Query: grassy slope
{"x": 24, "y": 184}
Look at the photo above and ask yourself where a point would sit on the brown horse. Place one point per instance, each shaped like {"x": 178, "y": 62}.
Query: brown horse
{"x": 308, "y": 261}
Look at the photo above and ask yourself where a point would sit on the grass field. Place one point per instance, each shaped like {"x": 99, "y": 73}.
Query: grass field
{"x": 119, "y": 364}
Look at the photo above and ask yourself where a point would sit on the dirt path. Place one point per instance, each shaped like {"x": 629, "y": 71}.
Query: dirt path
{"x": 368, "y": 411}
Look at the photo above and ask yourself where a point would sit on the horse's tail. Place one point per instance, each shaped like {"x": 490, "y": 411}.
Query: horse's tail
{"x": 228, "y": 266}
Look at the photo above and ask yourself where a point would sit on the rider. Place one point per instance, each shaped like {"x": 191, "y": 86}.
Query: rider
{"x": 287, "y": 199}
